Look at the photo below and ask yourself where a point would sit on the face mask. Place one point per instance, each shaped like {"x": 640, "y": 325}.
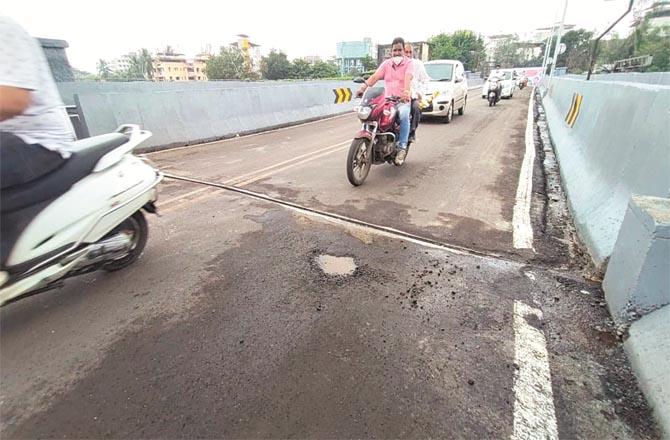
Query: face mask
{"x": 397, "y": 60}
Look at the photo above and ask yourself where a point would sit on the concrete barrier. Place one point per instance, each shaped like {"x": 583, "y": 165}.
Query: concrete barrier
{"x": 205, "y": 113}
{"x": 654, "y": 78}
{"x": 618, "y": 146}
{"x": 637, "y": 280}
{"x": 648, "y": 349}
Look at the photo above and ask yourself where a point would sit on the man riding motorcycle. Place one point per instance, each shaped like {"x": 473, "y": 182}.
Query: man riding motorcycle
{"x": 397, "y": 73}
{"x": 419, "y": 79}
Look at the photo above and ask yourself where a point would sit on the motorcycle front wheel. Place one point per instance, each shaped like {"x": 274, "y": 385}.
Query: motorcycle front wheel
{"x": 359, "y": 161}
{"x": 138, "y": 230}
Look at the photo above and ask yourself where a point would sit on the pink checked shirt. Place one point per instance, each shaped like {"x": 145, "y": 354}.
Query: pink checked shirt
{"x": 394, "y": 76}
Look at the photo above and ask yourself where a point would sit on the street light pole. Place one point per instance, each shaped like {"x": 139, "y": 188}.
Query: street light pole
{"x": 558, "y": 41}
{"x": 546, "y": 51}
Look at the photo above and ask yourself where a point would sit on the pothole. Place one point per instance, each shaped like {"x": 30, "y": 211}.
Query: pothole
{"x": 333, "y": 266}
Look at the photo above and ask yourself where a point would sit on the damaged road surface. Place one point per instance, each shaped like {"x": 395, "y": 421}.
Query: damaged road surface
{"x": 248, "y": 319}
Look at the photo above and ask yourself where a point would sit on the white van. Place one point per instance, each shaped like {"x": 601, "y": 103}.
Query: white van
{"x": 447, "y": 90}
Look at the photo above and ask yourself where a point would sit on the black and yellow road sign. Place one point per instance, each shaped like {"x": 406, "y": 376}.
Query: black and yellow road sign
{"x": 574, "y": 109}
{"x": 342, "y": 95}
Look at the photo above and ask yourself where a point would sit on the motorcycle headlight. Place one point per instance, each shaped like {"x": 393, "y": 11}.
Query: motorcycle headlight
{"x": 363, "y": 113}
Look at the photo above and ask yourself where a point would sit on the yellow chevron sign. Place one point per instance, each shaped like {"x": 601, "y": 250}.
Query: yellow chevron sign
{"x": 574, "y": 109}
{"x": 342, "y": 95}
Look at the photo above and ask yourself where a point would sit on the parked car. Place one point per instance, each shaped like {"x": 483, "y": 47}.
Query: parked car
{"x": 447, "y": 91}
{"x": 508, "y": 86}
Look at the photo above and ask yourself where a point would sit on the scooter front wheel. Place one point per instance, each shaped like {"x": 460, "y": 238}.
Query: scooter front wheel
{"x": 359, "y": 161}
{"x": 138, "y": 230}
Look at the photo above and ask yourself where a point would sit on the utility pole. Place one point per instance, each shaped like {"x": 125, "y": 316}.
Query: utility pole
{"x": 558, "y": 41}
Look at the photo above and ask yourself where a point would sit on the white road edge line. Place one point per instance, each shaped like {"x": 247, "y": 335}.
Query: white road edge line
{"x": 522, "y": 229}
{"x": 534, "y": 412}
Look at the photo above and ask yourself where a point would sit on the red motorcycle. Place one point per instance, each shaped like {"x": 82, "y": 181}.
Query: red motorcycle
{"x": 377, "y": 142}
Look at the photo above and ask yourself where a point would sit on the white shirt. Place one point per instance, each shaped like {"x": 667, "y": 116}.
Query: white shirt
{"x": 419, "y": 78}
{"x": 497, "y": 74}
{"x": 23, "y": 65}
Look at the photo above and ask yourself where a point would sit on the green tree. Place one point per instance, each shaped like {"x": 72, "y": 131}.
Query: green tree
{"x": 369, "y": 63}
{"x": 654, "y": 42}
{"x": 276, "y": 66}
{"x": 322, "y": 69}
{"x": 228, "y": 64}
{"x": 507, "y": 53}
{"x": 104, "y": 71}
{"x": 301, "y": 69}
{"x": 463, "y": 45}
{"x": 141, "y": 65}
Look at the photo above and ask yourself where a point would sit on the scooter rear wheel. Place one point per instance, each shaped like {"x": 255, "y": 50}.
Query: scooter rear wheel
{"x": 135, "y": 226}
{"x": 359, "y": 161}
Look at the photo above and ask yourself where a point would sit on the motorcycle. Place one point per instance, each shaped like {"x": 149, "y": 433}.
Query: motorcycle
{"x": 523, "y": 82}
{"x": 494, "y": 91}
{"x": 82, "y": 217}
{"x": 377, "y": 141}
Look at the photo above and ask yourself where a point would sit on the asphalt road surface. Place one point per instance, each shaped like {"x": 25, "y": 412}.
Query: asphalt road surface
{"x": 247, "y": 318}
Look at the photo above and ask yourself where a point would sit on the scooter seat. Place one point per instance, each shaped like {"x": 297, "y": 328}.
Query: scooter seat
{"x": 85, "y": 155}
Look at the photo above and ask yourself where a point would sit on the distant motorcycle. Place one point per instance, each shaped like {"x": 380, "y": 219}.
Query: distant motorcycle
{"x": 494, "y": 91}
{"x": 523, "y": 82}
{"x": 377, "y": 141}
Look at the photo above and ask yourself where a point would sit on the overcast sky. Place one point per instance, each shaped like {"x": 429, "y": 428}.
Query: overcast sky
{"x": 107, "y": 30}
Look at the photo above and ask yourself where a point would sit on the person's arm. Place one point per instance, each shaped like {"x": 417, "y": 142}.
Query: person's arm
{"x": 372, "y": 80}
{"x": 13, "y": 101}
{"x": 407, "y": 88}
{"x": 20, "y": 75}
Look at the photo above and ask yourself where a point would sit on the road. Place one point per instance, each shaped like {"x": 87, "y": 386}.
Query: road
{"x": 248, "y": 318}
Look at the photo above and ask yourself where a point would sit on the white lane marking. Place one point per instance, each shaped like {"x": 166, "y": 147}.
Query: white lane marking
{"x": 250, "y": 176}
{"x": 302, "y": 162}
{"x": 523, "y": 231}
{"x": 534, "y": 412}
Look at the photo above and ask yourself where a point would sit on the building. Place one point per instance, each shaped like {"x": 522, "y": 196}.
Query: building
{"x": 196, "y": 68}
{"x": 312, "y": 59}
{"x": 173, "y": 67}
{"x": 421, "y": 51}
{"x": 656, "y": 12}
{"x": 350, "y": 55}
{"x": 250, "y": 50}
{"x": 120, "y": 64}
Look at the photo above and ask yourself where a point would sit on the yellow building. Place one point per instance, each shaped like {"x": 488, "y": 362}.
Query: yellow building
{"x": 178, "y": 68}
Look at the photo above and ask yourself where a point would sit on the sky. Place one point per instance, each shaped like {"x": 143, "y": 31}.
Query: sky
{"x": 96, "y": 30}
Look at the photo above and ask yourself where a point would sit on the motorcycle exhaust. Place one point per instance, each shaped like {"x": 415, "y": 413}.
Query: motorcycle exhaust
{"x": 113, "y": 248}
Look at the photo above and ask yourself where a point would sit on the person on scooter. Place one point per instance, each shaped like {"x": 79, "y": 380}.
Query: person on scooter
{"x": 397, "y": 75}
{"x": 34, "y": 126}
{"x": 498, "y": 75}
{"x": 419, "y": 79}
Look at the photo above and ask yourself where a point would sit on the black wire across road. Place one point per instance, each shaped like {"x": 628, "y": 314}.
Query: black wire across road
{"x": 391, "y": 232}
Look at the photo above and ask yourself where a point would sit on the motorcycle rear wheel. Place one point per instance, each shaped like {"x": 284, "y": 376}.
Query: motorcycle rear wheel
{"x": 359, "y": 161}
{"x": 136, "y": 226}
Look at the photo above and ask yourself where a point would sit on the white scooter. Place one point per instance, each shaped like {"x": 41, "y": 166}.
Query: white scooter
{"x": 84, "y": 216}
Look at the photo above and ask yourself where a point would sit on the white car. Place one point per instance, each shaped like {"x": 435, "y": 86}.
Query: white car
{"x": 508, "y": 86}
{"x": 447, "y": 90}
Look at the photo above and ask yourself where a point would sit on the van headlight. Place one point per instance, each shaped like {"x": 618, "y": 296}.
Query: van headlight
{"x": 363, "y": 112}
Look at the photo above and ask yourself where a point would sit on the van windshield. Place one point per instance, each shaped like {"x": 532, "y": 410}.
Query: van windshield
{"x": 440, "y": 72}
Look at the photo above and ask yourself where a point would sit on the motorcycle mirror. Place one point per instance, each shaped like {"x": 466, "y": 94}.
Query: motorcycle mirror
{"x": 359, "y": 80}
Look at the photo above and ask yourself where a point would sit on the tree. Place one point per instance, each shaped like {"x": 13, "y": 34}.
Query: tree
{"x": 104, "y": 71}
{"x": 654, "y": 42}
{"x": 369, "y": 63}
{"x": 507, "y": 54}
{"x": 462, "y": 45}
{"x": 301, "y": 69}
{"x": 141, "y": 66}
{"x": 276, "y": 66}
{"x": 322, "y": 69}
{"x": 229, "y": 64}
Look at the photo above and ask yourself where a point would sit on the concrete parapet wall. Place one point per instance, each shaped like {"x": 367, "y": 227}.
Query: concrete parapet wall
{"x": 183, "y": 116}
{"x": 637, "y": 280}
{"x": 619, "y": 145}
